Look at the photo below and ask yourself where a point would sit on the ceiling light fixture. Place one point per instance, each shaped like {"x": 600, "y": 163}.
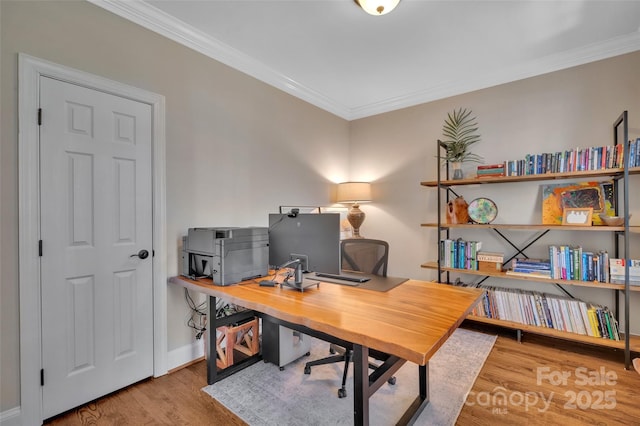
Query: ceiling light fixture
{"x": 377, "y": 7}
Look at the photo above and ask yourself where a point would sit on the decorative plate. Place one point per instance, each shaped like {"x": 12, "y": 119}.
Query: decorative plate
{"x": 482, "y": 210}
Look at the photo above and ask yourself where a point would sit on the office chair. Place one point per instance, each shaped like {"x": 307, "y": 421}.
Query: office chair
{"x": 360, "y": 255}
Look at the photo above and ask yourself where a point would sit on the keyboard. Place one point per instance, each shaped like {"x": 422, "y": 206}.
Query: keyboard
{"x": 344, "y": 277}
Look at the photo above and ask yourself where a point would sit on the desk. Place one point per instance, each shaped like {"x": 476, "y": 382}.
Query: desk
{"x": 409, "y": 322}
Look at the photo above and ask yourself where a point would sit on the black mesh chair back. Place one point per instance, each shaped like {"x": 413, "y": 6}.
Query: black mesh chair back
{"x": 365, "y": 255}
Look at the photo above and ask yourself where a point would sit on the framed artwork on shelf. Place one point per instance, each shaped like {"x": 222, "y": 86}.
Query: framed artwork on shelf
{"x": 577, "y": 216}
{"x": 600, "y": 196}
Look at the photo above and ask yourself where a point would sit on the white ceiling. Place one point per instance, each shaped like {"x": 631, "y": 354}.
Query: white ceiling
{"x": 332, "y": 54}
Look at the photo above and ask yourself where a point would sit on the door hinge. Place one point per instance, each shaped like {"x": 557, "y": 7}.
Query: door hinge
{"x": 42, "y": 377}
{"x": 40, "y": 248}
{"x": 39, "y": 116}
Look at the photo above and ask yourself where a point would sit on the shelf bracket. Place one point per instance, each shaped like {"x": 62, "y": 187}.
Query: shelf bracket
{"x": 564, "y": 290}
{"x": 518, "y": 249}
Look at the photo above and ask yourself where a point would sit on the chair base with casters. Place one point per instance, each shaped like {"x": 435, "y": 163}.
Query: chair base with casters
{"x": 341, "y": 355}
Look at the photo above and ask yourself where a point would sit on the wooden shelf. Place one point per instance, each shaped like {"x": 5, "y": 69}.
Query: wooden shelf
{"x": 599, "y": 228}
{"x": 504, "y": 275}
{"x": 527, "y": 178}
{"x": 618, "y": 175}
{"x": 634, "y": 341}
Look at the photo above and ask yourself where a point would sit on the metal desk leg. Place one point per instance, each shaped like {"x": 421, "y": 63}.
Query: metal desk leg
{"x": 364, "y": 386}
{"x": 421, "y": 401}
{"x": 360, "y": 385}
{"x": 210, "y": 346}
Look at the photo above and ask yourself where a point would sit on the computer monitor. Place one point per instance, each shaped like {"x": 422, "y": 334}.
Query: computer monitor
{"x": 314, "y": 238}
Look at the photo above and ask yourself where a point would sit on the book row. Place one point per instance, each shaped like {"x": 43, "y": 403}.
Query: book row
{"x": 548, "y": 311}
{"x": 574, "y": 263}
{"x": 459, "y": 253}
{"x": 578, "y": 159}
{"x": 565, "y": 263}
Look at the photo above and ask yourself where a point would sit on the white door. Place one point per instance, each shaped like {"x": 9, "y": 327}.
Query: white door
{"x": 96, "y": 216}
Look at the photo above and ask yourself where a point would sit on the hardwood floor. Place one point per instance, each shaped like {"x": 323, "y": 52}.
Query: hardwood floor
{"x": 551, "y": 382}
{"x": 173, "y": 399}
{"x": 520, "y": 383}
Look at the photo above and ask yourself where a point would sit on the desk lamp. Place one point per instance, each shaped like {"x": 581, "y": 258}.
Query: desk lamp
{"x": 355, "y": 193}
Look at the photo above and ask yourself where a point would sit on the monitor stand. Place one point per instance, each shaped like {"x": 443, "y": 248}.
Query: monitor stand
{"x": 304, "y": 284}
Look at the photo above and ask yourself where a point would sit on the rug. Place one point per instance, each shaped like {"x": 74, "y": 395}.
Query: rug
{"x": 263, "y": 395}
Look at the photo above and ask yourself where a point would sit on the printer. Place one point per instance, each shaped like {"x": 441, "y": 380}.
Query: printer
{"x": 227, "y": 255}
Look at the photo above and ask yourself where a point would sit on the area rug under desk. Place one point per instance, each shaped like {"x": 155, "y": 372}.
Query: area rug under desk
{"x": 263, "y": 395}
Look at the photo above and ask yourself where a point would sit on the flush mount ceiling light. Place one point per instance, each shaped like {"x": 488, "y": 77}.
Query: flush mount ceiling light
{"x": 377, "y": 7}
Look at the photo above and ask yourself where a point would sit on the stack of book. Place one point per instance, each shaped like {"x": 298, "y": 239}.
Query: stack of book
{"x": 530, "y": 268}
{"x": 491, "y": 170}
{"x": 489, "y": 261}
{"x": 548, "y": 311}
{"x": 617, "y": 271}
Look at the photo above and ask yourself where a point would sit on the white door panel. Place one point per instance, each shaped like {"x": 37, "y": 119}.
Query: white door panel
{"x": 97, "y": 330}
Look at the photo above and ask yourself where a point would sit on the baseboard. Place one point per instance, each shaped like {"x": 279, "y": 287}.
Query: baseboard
{"x": 184, "y": 355}
{"x": 11, "y": 417}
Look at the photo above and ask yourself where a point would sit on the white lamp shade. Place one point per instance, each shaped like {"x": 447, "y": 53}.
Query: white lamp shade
{"x": 378, "y": 7}
{"x": 354, "y": 192}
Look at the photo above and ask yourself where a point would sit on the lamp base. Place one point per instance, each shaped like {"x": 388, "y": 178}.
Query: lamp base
{"x": 355, "y": 218}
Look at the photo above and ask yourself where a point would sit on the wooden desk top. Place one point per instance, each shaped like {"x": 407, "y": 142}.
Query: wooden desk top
{"x": 410, "y": 321}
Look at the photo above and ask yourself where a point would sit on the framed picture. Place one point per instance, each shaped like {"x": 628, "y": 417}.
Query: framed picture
{"x": 577, "y": 216}
{"x": 556, "y": 197}
{"x": 301, "y": 209}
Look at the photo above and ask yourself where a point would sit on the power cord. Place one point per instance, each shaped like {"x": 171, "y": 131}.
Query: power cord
{"x": 198, "y": 319}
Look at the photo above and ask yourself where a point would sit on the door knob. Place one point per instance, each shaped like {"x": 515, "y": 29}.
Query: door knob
{"x": 142, "y": 254}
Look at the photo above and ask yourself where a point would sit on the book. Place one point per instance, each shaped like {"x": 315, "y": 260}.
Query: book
{"x": 490, "y": 166}
{"x": 539, "y": 274}
{"x": 486, "y": 256}
{"x": 619, "y": 279}
{"x": 593, "y": 321}
{"x": 531, "y": 264}
{"x": 617, "y": 267}
{"x": 489, "y": 175}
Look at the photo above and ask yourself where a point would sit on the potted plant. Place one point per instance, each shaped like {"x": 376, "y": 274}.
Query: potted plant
{"x": 460, "y": 132}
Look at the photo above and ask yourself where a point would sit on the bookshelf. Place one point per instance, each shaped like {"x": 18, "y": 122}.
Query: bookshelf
{"x": 550, "y": 332}
{"x": 594, "y": 284}
{"x": 621, "y": 236}
{"x": 530, "y": 178}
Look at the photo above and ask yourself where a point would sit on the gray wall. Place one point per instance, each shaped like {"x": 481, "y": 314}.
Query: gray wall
{"x": 237, "y": 148}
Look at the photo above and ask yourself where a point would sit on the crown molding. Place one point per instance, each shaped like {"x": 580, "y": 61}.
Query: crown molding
{"x": 571, "y": 58}
{"x": 155, "y": 20}
{"x": 174, "y": 29}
